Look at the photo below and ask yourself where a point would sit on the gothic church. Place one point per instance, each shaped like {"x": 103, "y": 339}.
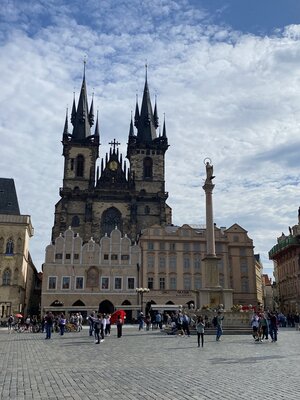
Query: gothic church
{"x": 94, "y": 200}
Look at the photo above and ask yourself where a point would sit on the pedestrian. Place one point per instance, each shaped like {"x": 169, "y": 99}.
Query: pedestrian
{"x": 49, "y": 324}
{"x": 141, "y": 321}
{"x": 219, "y": 327}
{"x": 119, "y": 326}
{"x": 91, "y": 323}
{"x": 62, "y": 324}
{"x": 97, "y": 326}
{"x": 273, "y": 328}
{"x": 255, "y": 325}
{"x": 185, "y": 324}
{"x": 10, "y": 323}
{"x": 102, "y": 327}
{"x": 107, "y": 328}
{"x": 200, "y": 325}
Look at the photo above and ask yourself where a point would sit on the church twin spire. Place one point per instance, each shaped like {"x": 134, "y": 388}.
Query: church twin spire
{"x": 82, "y": 118}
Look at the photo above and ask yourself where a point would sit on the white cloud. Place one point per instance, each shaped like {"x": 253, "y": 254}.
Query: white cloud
{"x": 231, "y": 97}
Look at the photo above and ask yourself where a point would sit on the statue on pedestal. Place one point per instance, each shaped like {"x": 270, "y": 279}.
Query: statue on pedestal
{"x": 209, "y": 172}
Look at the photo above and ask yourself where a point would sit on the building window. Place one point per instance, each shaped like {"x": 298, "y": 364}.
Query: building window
{"x": 162, "y": 283}
{"x": 148, "y": 168}
{"x": 75, "y": 221}
{"x": 79, "y": 282}
{"x": 79, "y": 165}
{"x": 150, "y": 245}
{"x": 172, "y": 246}
{"x": 236, "y": 238}
{"x": 76, "y": 256}
{"x": 150, "y": 283}
{"x": 172, "y": 263}
{"x": 197, "y": 263}
{"x": 162, "y": 263}
{"x": 147, "y": 210}
{"x": 173, "y": 283}
{"x": 243, "y": 252}
{"x": 150, "y": 262}
{"x": 244, "y": 269}
{"x": 114, "y": 256}
{"x": 162, "y": 246}
{"x": 245, "y": 284}
{"x": 9, "y": 247}
{"x": 52, "y": 282}
{"x": 186, "y": 283}
{"x": 105, "y": 256}
{"x": 68, "y": 256}
{"x": 186, "y": 247}
{"x": 6, "y": 277}
{"x": 186, "y": 263}
{"x": 130, "y": 283}
{"x": 118, "y": 283}
{"x": 65, "y": 282}
{"x": 125, "y": 257}
{"x": 198, "y": 283}
{"x": 111, "y": 218}
{"x": 104, "y": 283}
{"x": 58, "y": 256}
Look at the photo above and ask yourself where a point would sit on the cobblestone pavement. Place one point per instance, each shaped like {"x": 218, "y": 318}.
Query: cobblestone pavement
{"x": 148, "y": 365}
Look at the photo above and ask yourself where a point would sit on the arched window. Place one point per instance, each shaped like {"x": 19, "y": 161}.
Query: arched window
{"x": 6, "y": 277}
{"x": 9, "y": 247}
{"x": 75, "y": 221}
{"x": 148, "y": 168}
{"x": 110, "y": 219}
{"x": 79, "y": 165}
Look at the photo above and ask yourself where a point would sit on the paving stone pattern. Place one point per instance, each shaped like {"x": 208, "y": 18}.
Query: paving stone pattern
{"x": 148, "y": 365}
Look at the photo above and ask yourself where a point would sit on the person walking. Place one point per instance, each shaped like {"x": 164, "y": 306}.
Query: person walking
{"x": 141, "y": 321}
{"x": 219, "y": 326}
{"x": 49, "y": 324}
{"x": 97, "y": 326}
{"x": 200, "y": 325}
{"x": 273, "y": 327}
{"x": 119, "y": 326}
{"x": 62, "y": 324}
{"x": 107, "y": 328}
{"x": 10, "y": 323}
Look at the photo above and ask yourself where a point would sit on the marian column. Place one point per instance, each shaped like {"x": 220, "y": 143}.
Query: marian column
{"x": 210, "y": 259}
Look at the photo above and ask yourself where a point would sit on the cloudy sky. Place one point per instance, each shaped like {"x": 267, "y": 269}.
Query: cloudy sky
{"x": 226, "y": 74}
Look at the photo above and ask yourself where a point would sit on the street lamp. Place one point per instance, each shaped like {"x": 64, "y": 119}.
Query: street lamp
{"x": 141, "y": 291}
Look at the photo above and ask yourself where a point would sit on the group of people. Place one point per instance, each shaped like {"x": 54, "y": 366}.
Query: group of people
{"x": 264, "y": 324}
{"x": 100, "y": 326}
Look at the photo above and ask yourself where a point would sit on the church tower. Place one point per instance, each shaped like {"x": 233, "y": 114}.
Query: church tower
{"x": 146, "y": 154}
{"x": 97, "y": 199}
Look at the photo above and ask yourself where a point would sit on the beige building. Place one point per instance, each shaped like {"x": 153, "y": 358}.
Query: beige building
{"x": 286, "y": 257}
{"x": 173, "y": 267}
{"x": 86, "y": 277}
{"x": 18, "y": 275}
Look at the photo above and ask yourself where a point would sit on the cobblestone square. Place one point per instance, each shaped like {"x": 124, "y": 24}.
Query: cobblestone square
{"x": 148, "y": 365}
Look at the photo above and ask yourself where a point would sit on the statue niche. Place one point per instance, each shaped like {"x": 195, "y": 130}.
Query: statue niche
{"x": 92, "y": 277}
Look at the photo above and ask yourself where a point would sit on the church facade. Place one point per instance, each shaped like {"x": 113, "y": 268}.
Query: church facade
{"x": 113, "y": 229}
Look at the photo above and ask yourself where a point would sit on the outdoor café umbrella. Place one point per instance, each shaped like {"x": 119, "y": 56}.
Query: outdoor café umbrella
{"x": 19, "y": 316}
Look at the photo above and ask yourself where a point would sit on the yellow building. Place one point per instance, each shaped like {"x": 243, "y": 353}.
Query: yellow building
{"x": 17, "y": 272}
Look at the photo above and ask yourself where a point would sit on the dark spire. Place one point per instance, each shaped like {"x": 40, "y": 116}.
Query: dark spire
{"x": 137, "y": 113}
{"x": 97, "y": 126}
{"x": 155, "y": 115}
{"x": 91, "y": 113}
{"x": 65, "y": 132}
{"x": 73, "y": 115}
{"x": 164, "y": 134}
{"x": 146, "y": 125}
{"x": 131, "y": 131}
{"x": 82, "y": 128}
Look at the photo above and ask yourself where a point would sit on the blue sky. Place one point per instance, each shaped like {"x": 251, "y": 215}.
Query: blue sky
{"x": 226, "y": 75}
